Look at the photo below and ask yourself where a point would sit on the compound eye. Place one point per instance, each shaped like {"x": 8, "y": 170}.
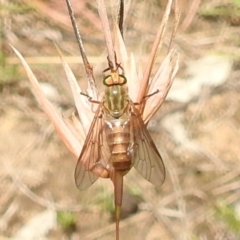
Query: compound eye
{"x": 114, "y": 79}
{"x": 122, "y": 80}
{"x": 108, "y": 81}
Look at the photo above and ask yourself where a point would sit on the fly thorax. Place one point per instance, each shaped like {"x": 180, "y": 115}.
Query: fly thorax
{"x": 115, "y": 100}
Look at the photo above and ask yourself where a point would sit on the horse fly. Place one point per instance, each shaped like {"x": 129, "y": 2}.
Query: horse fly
{"x": 117, "y": 139}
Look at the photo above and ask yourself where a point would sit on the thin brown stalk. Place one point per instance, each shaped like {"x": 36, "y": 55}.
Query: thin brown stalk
{"x": 157, "y": 44}
{"x": 191, "y": 13}
{"x": 88, "y": 67}
{"x": 120, "y": 15}
{"x": 177, "y": 14}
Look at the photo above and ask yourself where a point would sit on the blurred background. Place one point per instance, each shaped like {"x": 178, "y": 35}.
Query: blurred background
{"x": 197, "y": 130}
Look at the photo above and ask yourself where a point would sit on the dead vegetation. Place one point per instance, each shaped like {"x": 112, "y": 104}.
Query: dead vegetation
{"x": 198, "y": 137}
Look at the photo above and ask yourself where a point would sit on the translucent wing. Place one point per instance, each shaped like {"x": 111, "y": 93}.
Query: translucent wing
{"x": 146, "y": 158}
{"x": 94, "y": 156}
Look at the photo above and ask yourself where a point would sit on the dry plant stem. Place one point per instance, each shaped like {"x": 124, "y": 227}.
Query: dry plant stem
{"x": 88, "y": 68}
{"x": 233, "y": 198}
{"x": 163, "y": 79}
{"x": 6, "y": 217}
{"x": 177, "y": 14}
{"x": 157, "y": 44}
{"x": 180, "y": 195}
{"x": 120, "y": 15}
{"x": 226, "y": 188}
{"x": 190, "y": 15}
{"x": 224, "y": 179}
{"x": 107, "y": 33}
{"x": 39, "y": 200}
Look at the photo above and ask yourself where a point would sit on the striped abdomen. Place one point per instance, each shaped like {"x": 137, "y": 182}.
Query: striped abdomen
{"x": 119, "y": 143}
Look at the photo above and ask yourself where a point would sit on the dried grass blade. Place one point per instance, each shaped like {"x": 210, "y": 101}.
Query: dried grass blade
{"x": 162, "y": 81}
{"x": 65, "y": 134}
{"x": 107, "y": 33}
{"x": 176, "y": 23}
{"x": 128, "y": 64}
{"x": 120, "y": 49}
{"x": 120, "y": 15}
{"x": 81, "y": 102}
{"x": 157, "y": 44}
